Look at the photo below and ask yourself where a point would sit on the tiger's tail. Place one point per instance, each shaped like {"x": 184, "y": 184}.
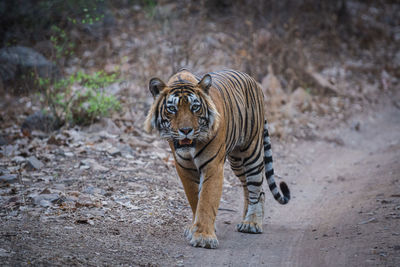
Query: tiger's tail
{"x": 269, "y": 171}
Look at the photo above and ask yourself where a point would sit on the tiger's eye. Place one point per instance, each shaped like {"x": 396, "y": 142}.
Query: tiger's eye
{"x": 195, "y": 107}
{"x": 171, "y": 109}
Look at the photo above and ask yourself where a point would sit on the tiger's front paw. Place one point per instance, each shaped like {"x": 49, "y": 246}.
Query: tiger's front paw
{"x": 203, "y": 240}
{"x": 249, "y": 227}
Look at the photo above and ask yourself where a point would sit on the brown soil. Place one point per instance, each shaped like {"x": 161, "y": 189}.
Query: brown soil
{"x": 345, "y": 208}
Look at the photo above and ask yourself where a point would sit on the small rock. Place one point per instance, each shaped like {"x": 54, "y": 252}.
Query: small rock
{"x": 86, "y": 201}
{"x": 3, "y": 141}
{"x": 84, "y": 167}
{"x": 53, "y": 140}
{"x": 13, "y": 199}
{"x": 4, "y": 253}
{"x": 44, "y": 203}
{"x": 18, "y": 159}
{"x": 105, "y": 124}
{"x": 4, "y": 171}
{"x": 91, "y": 163}
{"x": 40, "y": 121}
{"x": 113, "y": 151}
{"x": 372, "y": 220}
{"x": 45, "y": 191}
{"x": 9, "y": 178}
{"x": 94, "y": 190}
{"x": 85, "y": 221}
{"x": 68, "y": 154}
{"x": 19, "y": 62}
{"x": 45, "y": 178}
{"x": 34, "y": 163}
{"x": 51, "y": 198}
{"x": 356, "y": 126}
{"x": 127, "y": 151}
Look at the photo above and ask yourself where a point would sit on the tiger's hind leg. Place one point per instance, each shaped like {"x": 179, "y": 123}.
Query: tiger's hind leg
{"x": 236, "y": 166}
{"x": 249, "y": 169}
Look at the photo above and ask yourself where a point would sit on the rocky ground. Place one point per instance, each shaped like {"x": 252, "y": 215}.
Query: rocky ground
{"x": 103, "y": 196}
{"x": 118, "y": 185}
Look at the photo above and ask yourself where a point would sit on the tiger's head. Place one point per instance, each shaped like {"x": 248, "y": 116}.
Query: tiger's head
{"x": 183, "y": 111}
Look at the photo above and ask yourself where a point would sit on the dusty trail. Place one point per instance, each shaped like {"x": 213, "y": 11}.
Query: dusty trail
{"x": 345, "y": 208}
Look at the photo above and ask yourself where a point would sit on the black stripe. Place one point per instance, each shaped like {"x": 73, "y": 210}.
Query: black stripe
{"x": 252, "y": 154}
{"x": 251, "y": 138}
{"x": 251, "y": 92}
{"x": 267, "y": 159}
{"x": 185, "y": 168}
{"x": 272, "y": 186}
{"x": 181, "y": 157}
{"x": 207, "y": 178}
{"x": 230, "y": 91}
{"x": 255, "y": 173}
{"x": 236, "y": 168}
{"x": 234, "y": 158}
{"x": 232, "y": 132}
{"x": 211, "y": 159}
{"x": 236, "y": 83}
{"x": 267, "y": 146}
{"x": 269, "y": 173}
{"x": 255, "y": 183}
{"x": 266, "y": 133}
{"x": 184, "y": 84}
{"x": 204, "y": 147}
{"x": 157, "y": 115}
{"x": 259, "y": 166}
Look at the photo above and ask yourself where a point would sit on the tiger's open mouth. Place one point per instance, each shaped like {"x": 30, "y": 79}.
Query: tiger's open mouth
{"x": 184, "y": 143}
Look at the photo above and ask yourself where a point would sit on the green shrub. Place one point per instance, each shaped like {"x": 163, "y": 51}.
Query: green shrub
{"x": 79, "y": 98}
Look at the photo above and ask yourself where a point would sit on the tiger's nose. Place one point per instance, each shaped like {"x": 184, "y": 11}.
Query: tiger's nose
{"x": 186, "y": 130}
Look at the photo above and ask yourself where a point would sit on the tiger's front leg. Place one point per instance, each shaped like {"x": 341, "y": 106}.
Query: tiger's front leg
{"x": 202, "y": 232}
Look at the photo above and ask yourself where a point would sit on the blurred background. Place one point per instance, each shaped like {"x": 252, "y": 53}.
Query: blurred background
{"x": 76, "y": 61}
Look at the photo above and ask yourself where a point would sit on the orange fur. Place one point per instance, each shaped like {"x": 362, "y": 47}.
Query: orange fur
{"x": 205, "y": 121}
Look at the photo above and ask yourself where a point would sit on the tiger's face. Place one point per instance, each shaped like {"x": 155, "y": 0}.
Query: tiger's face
{"x": 182, "y": 111}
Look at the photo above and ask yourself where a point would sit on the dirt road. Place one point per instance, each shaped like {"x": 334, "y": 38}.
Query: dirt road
{"x": 129, "y": 209}
{"x": 345, "y": 208}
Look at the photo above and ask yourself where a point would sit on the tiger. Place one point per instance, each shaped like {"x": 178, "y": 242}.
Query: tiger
{"x": 207, "y": 120}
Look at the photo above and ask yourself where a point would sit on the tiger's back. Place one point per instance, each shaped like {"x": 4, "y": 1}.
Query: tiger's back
{"x": 243, "y": 106}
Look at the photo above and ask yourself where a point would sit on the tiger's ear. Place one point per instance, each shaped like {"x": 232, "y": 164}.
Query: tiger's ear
{"x": 205, "y": 83}
{"x": 156, "y": 86}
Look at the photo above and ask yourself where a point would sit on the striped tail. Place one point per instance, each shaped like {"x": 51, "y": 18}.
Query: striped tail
{"x": 269, "y": 171}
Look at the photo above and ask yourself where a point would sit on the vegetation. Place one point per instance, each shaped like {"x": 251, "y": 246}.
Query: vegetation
{"x": 79, "y": 98}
